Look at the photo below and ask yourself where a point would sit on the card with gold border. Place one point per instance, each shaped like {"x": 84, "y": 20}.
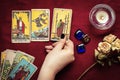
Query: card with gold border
{"x": 40, "y": 25}
{"x": 21, "y": 26}
{"x": 61, "y": 23}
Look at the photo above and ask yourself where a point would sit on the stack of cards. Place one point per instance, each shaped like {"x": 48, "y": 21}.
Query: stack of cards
{"x": 34, "y": 25}
{"x": 16, "y": 65}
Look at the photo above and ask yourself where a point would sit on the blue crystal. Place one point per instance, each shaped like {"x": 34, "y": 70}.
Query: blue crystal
{"x": 81, "y": 48}
{"x": 79, "y": 34}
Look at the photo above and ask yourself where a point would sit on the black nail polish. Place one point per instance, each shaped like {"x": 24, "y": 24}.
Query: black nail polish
{"x": 62, "y": 36}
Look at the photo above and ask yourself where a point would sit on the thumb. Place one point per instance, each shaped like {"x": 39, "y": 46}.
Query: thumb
{"x": 61, "y": 43}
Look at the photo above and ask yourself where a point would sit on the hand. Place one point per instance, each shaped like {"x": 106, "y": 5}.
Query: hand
{"x": 59, "y": 55}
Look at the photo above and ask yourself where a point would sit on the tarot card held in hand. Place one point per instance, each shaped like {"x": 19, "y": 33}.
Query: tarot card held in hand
{"x": 40, "y": 24}
{"x": 23, "y": 71}
{"x": 61, "y": 23}
{"x": 20, "y": 26}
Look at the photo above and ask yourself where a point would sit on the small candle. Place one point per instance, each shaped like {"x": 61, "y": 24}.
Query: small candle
{"x": 102, "y": 17}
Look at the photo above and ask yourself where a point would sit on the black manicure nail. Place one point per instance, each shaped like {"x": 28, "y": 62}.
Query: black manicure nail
{"x": 62, "y": 36}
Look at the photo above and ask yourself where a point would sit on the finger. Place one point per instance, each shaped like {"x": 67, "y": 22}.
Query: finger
{"x": 60, "y": 44}
{"x": 48, "y": 51}
{"x": 49, "y": 47}
{"x": 54, "y": 44}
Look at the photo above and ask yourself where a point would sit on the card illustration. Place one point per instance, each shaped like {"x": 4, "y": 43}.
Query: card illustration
{"x": 23, "y": 71}
{"x": 20, "y": 26}
{"x": 3, "y": 56}
{"x": 21, "y": 55}
{"x": 40, "y": 24}
{"x": 7, "y": 63}
{"x": 61, "y": 23}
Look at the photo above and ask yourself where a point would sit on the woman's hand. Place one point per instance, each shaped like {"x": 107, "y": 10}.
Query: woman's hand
{"x": 59, "y": 55}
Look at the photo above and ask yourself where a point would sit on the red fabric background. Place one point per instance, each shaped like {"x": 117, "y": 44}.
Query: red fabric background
{"x": 80, "y": 20}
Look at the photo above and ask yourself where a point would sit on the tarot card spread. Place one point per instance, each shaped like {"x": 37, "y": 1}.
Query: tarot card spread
{"x": 10, "y": 59}
{"x": 61, "y": 23}
{"x": 40, "y": 24}
{"x": 21, "y": 26}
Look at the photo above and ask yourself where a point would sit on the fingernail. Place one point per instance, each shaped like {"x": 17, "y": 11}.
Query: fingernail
{"x": 62, "y": 36}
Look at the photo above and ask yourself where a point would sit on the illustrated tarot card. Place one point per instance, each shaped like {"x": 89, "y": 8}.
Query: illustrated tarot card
{"x": 23, "y": 71}
{"x": 21, "y": 55}
{"x": 10, "y": 55}
{"x": 20, "y": 32}
{"x": 3, "y": 56}
{"x": 61, "y": 23}
{"x": 40, "y": 25}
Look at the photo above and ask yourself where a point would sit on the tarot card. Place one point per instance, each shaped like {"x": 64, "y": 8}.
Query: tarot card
{"x": 20, "y": 32}
{"x": 3, "y": 56}
{"x": 23, "y": 71}
{"x": 40, "y": 25}
{"x": 21, "y": 55}
{"x": 61, "y": 23}
{"x": 10, "y": 55}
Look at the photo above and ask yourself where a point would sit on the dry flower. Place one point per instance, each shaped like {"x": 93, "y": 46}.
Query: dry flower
{"x": 104, "y": 47}
{"x": 109, "y": 38}
{"x": 107, "y": 51}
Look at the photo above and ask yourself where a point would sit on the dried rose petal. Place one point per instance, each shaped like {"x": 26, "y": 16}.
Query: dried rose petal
{"x": 116, "y": 43}
{"x": 110, "y": 38}
{"x": 99, "y": 55}
{"x": 104, "y": 47}
{"x": 96, "y": 53}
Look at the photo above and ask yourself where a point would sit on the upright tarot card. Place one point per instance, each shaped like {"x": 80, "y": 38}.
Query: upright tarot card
{"x": 40, "y": 24}
{"x": 61, "y": 23}
{"x": 23, "y": 71}
{"x": 20, "y": 26}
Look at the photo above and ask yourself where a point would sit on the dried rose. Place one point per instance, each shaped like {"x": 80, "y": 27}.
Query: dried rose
{"x": 109, "y": 38}
{"x": 116, "y": 45}
{"x": 104, "y": 47}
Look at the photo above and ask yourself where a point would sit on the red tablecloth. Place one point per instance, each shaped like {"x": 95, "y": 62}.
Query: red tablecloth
{"x": 80, "y": 20}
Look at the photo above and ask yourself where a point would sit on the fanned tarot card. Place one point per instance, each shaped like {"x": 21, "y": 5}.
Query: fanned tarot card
{"x": 21, "y": 55}
{"x": 3, "y": 56}
{"x": 61, "y": 23}
{"x": 10, "y": 55}
{"x": 20, "y": 26}
{"x": 23, "y": 71}
{"x": 40, "y": 24}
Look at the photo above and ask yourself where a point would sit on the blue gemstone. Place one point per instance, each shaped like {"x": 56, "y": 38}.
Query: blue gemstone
{"x": 79, "y": 35}
{"x": 81, "y": 48}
